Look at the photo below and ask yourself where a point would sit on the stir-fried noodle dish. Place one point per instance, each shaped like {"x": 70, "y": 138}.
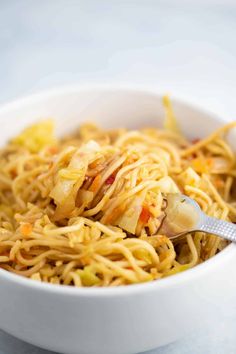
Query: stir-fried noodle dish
{"x": 86, "y": 209}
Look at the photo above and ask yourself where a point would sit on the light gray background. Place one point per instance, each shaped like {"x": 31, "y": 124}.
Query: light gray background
{"x": 186, "y": 48}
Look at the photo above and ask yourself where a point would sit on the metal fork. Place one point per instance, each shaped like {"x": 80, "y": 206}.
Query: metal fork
{"x": 183, "y": 215}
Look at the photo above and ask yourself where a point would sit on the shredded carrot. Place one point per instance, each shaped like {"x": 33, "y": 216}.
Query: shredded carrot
{"x": 129, "y": 161}
{"x": 201, "y": 165}
{"x": 13, "y": 174}
{"x": 219, "y": 183}
{"x": 145, "y": 215}
{"x": 95, "y": 184}
{"x": 93, "y": 164}
{"x": 53, "y": 149}
{"x": 116, "y": 212}
{"x": 26, "y": 229}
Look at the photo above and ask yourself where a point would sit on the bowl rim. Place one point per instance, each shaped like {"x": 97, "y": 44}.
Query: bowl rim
{"x": 157, "y": 285}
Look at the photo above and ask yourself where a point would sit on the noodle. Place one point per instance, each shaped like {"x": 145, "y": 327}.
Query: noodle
{"x": 86, "y": 210}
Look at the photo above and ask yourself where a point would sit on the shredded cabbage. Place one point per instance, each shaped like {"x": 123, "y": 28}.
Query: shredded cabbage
{"x": 167, "y": 185}
{"x": 88, "y": 276}
{"x": 37, "y": 136}
{"x": 129, "y": 219}
{"x": 84, "y": 197}
{"x": 70, "y": 179}
{"x": 189, "y": 177}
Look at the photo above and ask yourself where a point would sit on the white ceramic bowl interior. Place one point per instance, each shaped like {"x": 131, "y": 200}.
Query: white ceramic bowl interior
{"x": 121, "y": 320}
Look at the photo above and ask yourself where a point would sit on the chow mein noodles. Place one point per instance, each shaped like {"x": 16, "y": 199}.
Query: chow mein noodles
{"x": 86, "y": 210}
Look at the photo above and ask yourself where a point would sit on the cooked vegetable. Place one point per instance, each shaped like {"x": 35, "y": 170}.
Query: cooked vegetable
{"x": 129, "y": 219}
{"x": 37, "y": 136}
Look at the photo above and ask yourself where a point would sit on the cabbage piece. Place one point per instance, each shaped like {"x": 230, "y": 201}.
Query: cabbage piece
{"x": 88, "y": 276}
{"x": 74, "y": 173}
{"x": 84, "y": 197}
{"x": 189, "y": 177}
{"x": 129, "y": 219}
{"x": 65, "y": 184}
{"x": 36, "y": 276}
{"x": 219, "y": 164}
{"x": 170, "y": 122}
{"x": 167, "y": 185}
{"x": 70, "y": 179}
{"x": 89, "y": 149}
{"x": 37, "y": 136}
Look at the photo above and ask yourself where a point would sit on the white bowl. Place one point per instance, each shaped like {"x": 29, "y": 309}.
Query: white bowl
{"x": 120, "y": 320}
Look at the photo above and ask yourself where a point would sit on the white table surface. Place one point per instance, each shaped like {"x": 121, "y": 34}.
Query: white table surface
{"x": 184, "y": 47}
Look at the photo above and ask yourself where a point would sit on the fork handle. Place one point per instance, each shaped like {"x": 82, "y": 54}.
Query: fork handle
{"x": 224, "y": 229}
